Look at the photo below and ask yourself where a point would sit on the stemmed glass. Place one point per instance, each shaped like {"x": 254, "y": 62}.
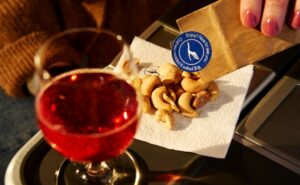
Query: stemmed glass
{"x": 87, "y": 107}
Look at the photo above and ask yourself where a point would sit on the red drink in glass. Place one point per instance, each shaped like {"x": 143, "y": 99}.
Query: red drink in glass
{"x": 88, "y": 115}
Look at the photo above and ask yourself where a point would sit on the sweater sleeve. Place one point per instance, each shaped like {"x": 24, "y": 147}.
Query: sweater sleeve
{"x": 16, "y": 62}
{"x": 25, "y": 25}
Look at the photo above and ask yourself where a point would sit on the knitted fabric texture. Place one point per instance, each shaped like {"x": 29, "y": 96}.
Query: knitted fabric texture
{"x": 16, "y": 62}
{"x": 24, "y": 28}
{"x": 19, "y": 18}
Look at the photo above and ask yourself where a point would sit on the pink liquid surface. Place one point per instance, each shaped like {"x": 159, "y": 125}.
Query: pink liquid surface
{"x": 88, "y": 117}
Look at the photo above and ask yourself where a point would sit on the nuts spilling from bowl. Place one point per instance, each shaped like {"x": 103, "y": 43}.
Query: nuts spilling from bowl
{"x": 175, "y": 90}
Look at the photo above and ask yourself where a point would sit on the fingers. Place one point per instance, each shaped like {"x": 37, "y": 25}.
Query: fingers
{"x": 250, "y": 12}
{"x": 273, "y": 16}
{"x": 296, "y": 17}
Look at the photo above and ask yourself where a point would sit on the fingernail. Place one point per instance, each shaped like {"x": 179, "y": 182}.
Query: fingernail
{"x": 296, "y": 20}
{"x": 270, "y": 27}
{"x": 250, "y": 19}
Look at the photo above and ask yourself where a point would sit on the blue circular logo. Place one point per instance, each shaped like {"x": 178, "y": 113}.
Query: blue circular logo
{"x": 191, "y": 51}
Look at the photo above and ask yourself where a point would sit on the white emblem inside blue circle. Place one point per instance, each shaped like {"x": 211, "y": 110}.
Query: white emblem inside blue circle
{"x": 191, "y": 51}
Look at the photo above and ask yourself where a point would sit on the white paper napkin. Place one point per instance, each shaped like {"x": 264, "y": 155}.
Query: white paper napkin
{"x": 212, "y": 132}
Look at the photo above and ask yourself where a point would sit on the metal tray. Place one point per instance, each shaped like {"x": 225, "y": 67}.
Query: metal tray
{"x": 36, "y": 163}
{"x": 274, "y": 124}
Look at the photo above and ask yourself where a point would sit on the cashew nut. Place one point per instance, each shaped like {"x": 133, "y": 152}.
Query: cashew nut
{"x": 200, "y": 99}
{"x": 136, "y": 83}
{"x": 148, "y": 84}
{"x": 213, "y": 89}
{"x": 186, "y": 74}
{"x": 169, "y": 74}
{"x": 166, "y": 117}
{"x": 185, "y": 107}
{"x": 193, "y": 75}
{"x": 196, "y": 74}
{"x": 171, "y": 102}
{"x": 145, "y": 77}
{"x": 157, "y": 99}
{"x": 146, "y": 104}
{"x": 180, "y": 91}
{"x": 193, "y": 86}
{"x": 172, "y": 94}
{"x": 177, "y": 89}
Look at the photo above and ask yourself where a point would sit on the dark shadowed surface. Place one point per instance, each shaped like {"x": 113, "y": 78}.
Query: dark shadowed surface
{"x": 17, "y": 124}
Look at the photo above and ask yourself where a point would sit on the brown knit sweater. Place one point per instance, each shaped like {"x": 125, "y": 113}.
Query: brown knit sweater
{"x": 26, "y": 24}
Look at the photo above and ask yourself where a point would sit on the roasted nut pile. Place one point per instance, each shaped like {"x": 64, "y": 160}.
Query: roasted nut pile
{"x": 174, "y": 90}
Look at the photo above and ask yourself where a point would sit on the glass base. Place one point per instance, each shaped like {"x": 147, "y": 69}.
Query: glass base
{"x": 120, "y": 170}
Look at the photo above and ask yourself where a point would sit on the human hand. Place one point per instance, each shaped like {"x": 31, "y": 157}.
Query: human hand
{"x": 272, "y": 15}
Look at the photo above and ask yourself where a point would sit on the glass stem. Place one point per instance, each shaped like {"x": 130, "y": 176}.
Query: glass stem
{"x": 101, "y": 169}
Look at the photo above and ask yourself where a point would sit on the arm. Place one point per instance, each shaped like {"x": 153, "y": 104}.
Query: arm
{"x": 25, "y": 25}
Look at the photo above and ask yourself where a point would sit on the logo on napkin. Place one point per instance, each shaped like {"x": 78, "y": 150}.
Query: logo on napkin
{"x": 191, "y": 51}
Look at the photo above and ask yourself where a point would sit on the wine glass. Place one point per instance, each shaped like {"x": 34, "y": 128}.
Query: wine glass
{"x": 87, "y": 107}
